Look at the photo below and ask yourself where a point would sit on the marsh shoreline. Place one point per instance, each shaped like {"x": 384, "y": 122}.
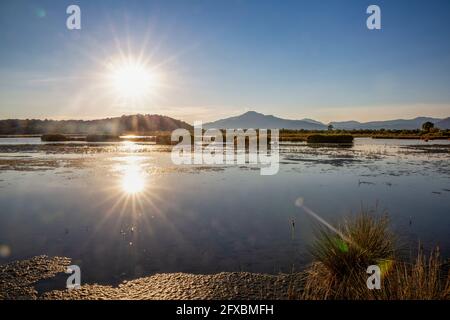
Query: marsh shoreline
{"x": 19, "y": 281}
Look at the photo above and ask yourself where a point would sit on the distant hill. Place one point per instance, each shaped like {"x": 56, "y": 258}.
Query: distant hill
{"x": 120, "y": 125}
{"x": 443, "y": 124}
{"x": 399, "y": 124}
{"x": 312, "y": 121}
{"x": 252, "y": 119}
{"x": 255, "y": 120}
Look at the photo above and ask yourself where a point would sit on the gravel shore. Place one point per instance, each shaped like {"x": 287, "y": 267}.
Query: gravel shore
{"x": 18, "y": 280}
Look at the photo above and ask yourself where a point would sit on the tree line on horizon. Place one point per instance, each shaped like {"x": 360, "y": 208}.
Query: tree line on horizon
{"x": 114, "y": 126}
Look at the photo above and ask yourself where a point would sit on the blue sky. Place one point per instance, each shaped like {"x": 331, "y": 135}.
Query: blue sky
{"x": 293, "y": 59}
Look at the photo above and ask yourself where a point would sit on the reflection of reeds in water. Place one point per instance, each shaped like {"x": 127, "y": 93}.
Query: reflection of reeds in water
{"x": 339, "y": 269}
{"x": 292, "y": 224}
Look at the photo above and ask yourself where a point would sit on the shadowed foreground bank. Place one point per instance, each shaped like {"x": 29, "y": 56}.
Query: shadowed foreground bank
{"x": 18, "y": 281}
{"x": 339, "y": 271}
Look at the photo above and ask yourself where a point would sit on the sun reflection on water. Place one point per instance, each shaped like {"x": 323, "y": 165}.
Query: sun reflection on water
{"x": 134, "y": 178}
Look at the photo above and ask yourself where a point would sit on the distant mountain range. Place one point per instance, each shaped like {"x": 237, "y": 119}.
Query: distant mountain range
{"x": 141, "y": 124}
{"x": 444, "y": 123}
{"x": 410, "y": 124}
{"x": 252, "y": 119}
{"x": 120, "y": 125}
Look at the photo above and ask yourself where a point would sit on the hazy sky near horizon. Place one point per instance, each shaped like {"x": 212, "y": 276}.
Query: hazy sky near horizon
{"x": 214, "y": 59}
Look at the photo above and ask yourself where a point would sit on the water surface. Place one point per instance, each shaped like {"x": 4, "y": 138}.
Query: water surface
{"x": 123, "y": 210}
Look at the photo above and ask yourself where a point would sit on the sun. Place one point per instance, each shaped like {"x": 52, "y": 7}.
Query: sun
{"x": 131, "y": 79}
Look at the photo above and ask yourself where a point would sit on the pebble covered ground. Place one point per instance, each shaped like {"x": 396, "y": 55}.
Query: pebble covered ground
{"x": 17, "y": 280}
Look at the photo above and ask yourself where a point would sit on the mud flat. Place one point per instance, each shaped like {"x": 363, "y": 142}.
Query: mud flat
{"x": 18, "y": 280}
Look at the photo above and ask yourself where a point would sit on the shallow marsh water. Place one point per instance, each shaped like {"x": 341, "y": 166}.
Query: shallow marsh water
{"x": 123, "y": 210}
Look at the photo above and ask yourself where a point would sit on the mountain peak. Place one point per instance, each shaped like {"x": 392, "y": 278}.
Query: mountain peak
{"x": 256, "y": 120}
{"x": 251, "y": 113}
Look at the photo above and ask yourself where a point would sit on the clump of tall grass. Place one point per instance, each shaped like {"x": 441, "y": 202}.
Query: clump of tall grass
{"x": 341, "y": 261}
{"x": 423, "y": 279}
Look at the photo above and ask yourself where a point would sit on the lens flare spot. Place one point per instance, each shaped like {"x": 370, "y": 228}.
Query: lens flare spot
{"x": 5, "y": 251}
{"x": 341, "y": 244}
{"x": 41, "y": 13}
{"x": 385, "y": 266}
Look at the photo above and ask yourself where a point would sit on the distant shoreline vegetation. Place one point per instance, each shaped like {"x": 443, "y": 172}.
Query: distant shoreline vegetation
{"x": 330, "y": 138}
{"x": 60, "y": 138}
{"x": 95, "y": 138}
{"x": 164, "y": 137}
{"x": 334, "y": 135}
{"x": 135, "y": 124}
{"x": 160, "y": 128}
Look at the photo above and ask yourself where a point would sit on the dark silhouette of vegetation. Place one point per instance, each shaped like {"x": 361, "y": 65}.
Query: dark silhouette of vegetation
{"x": 330, "y": 138}
{"x": 302, "y": 135}
{"x": 427, "y": 126}
{"x": 102, "y": 138}
{"x": 164, "y": 139}
{"x": 132, "y": 124}
{"x": 55, "y": 138}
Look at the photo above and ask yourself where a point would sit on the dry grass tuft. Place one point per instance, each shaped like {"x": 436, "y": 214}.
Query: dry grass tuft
{"x": 341, "y": 261}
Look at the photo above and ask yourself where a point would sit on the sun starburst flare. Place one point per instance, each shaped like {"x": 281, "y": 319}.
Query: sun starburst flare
{"x": 129, "y": 78}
